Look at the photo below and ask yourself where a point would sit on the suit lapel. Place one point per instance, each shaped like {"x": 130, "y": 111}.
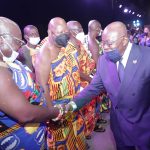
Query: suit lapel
{"x": 130, "y": 69}
{"x": 113, "y": 76}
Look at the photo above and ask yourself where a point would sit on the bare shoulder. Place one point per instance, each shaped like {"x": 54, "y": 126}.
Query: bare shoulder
{"x": 45, "y": 50}
{"x": 42, "y": 63}
{"x": 93, "y": 43}
{"x": 44, "y": 55}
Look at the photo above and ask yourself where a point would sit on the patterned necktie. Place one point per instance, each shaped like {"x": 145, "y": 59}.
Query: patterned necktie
{"x": 120, "y": 71}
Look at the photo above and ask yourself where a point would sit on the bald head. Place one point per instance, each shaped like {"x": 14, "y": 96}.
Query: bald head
{"x": 115, "y": 29}
{"x": 73, "y": 25}
{"x": 93, "y": 24}
{"x": 74, "y": 28}
{"x": 10, "y": 38}
{"x": 58, "y": 32}
{"x": 57, "y": 24}
{"x": 115, "y": 36}
{"x": 94, "y": 29}
{"x": 30, "y": 28}
{"x": 10, "y": 27}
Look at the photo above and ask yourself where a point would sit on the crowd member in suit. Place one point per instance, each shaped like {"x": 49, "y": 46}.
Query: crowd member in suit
{"x": 124, "y": 72}
{"x": 23, "y": 109}
{"x": 28, "y": 51}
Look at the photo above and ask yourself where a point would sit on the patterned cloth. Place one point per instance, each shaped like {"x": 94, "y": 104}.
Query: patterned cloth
{"x": 103, "y": 101}
{"x": 13, "y": 135}
{"x": 87, "y": 65}
{"x": 64, "y": 83}
{"x": 41, "y": 43}
{"x": 86, "y": 45}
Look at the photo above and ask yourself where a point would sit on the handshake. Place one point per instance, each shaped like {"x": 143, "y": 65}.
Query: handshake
{"x": 65, "y": 110}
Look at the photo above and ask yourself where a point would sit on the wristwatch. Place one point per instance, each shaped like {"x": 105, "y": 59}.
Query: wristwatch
{"x": 73, "y": 105}
{"x": 61, "y": 112}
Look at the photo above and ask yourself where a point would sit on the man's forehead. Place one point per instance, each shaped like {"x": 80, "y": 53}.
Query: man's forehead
{"x": 60, "y": 28}
{"x": 4, "y": 30}
{"x": 97, "y": 24}
{"x": 76, "y": 27}
{"x": 32, "y": 30}
{"x": 109, "y": 35}
{"x": 11, "y": 30}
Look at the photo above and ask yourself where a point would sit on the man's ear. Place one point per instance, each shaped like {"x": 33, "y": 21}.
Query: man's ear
{"x": 1, "y": 41}
{"x": 26, "y": 37}
{"x": 49, "y": 32}
{"x": 72, "y": 33}
{"x": 125, "y": 41}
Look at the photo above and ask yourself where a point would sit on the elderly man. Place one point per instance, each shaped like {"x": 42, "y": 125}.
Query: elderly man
{"x": 86, "y": 65}
{"x": 23, "y": 110}
{"x": 57, "y": 72}
{"x": 94, "y": 30}
{"x": 95, "y": 49}
{"x": 124, "y": 72}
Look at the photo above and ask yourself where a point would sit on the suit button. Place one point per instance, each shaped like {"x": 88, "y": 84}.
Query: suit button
{"x": 130, "y": 109}
{"x": 133, "y": 94}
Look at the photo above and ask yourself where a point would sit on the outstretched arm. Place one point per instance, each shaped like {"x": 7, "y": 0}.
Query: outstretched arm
{"x": 42, "y": 71}
{"x": 92, "y": 90}
{"x": 14, "y": 104}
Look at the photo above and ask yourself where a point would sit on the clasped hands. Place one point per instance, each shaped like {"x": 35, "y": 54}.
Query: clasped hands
{"x": 65, "y": 111}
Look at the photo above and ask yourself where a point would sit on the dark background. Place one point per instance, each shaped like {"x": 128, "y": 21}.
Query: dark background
{"x": 39, "y": 12}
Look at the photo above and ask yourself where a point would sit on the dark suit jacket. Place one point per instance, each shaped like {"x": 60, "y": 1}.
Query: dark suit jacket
{"x": 130, "y": 112}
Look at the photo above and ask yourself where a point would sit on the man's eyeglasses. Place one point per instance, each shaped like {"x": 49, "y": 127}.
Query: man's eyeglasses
{"x": 110, "y": 43}
{"x": 7, "y": 36}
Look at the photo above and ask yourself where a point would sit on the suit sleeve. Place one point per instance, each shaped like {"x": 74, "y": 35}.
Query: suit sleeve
{"x": 91, "y": 91}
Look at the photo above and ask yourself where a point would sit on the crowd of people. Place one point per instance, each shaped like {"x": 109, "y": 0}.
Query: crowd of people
{"x": 54, "y": 90}
{"x": 139, "y": 36}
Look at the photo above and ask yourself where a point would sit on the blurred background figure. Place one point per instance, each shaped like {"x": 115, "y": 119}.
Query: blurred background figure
{"x": 28, "y": 52}
{"x": 93, "y": 44}
{"x": 145, "y": 37}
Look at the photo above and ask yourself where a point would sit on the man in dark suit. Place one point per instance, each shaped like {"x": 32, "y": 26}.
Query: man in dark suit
{"x": 124, "y": 72}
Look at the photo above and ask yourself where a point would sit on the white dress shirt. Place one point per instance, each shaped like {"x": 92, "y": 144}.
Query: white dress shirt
{"x": 125, "y": 55}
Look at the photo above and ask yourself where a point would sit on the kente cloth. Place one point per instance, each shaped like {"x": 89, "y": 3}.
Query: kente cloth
{"x": 102, "y": 101}
{"x": 64, "y": 83}
{"x": 41, "y": 43}
{"x": 105, "y": 103}
{"x": 30, "y": 136}
{"x": 87, "y": 65}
